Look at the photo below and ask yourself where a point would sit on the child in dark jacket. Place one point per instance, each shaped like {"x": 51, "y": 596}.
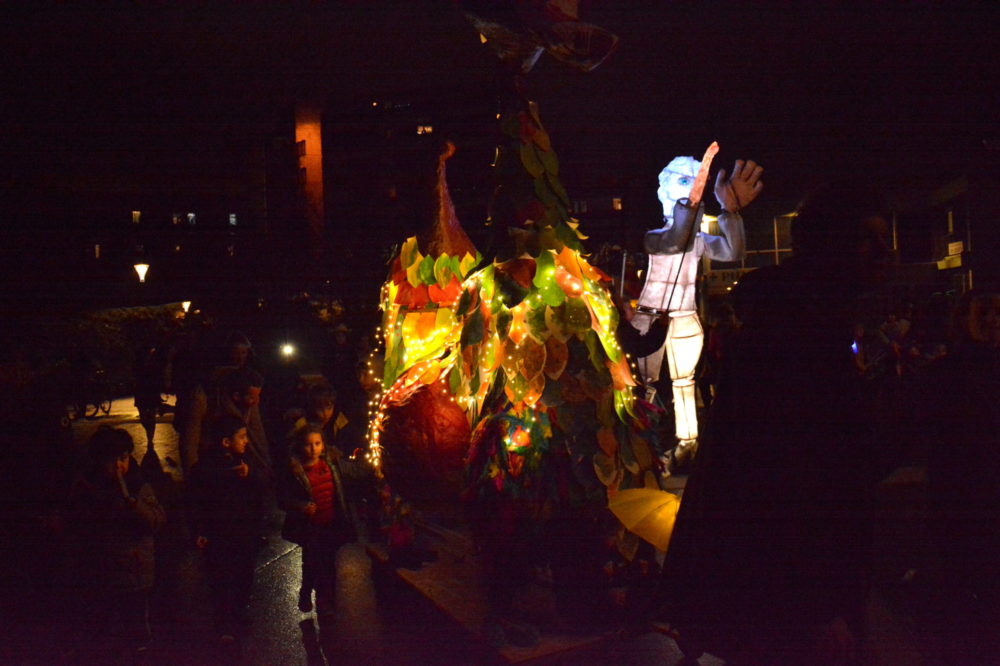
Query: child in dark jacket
{"x": 316, "y": 518}
{"x": 115, "y": 514}
{"x": 226, "y": 496}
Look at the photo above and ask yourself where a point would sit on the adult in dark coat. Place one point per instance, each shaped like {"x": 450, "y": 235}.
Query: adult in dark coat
{"x": 767, "y": 563}
{"x": 955, "y": 416}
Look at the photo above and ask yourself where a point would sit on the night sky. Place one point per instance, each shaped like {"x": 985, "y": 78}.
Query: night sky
{"x": 901, "y": 93}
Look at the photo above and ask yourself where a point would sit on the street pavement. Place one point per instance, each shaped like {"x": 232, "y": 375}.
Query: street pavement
{"x": 380, "y": 620}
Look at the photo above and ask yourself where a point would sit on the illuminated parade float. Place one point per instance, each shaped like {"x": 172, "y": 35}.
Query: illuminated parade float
{"x": 504, "y": 383}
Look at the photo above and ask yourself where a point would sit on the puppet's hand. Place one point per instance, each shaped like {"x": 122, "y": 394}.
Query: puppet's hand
{"x": 736, "y": 192}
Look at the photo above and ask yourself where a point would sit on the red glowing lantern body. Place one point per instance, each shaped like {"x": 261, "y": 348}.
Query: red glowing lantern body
{"x": 425, "y": 436}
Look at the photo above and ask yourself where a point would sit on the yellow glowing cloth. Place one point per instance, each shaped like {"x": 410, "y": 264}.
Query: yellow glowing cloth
{"x": 647, "y": 512}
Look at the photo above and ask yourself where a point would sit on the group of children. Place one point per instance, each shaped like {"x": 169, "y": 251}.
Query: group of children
{"x": 227, "y": 490}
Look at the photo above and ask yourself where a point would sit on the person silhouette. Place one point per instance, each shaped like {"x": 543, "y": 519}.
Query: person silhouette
{"x": 768, "y": 558}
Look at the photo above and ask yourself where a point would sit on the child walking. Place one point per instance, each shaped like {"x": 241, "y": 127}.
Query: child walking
{"x": 316, "y": 518}
{"x": 227, "y": 493}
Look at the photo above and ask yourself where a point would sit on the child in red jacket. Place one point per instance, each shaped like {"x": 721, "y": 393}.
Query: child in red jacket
{"x": 316, "y": 516}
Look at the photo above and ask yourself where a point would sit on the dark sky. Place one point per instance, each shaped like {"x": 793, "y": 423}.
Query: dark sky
{"x": 899, "y": 91}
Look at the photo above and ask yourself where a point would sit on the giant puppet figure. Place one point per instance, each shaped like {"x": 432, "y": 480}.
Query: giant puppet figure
{"x": 675, "y": 250}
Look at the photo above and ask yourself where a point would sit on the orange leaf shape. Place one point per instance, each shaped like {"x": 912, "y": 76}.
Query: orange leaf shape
{"x": 556, "y": 357}
{"x": 621, "y": 375}
{"x": 518, "y": 330}
{"x": 425, "y": 325}
{"x": 535, "y": 389}
{"x": 569, "y": 259}
{"x": 533, "y": 359}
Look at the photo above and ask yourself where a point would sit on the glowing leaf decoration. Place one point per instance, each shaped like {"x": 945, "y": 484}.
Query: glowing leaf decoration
{"x": 409, "y": 253}
{"x": 492, "y": 353}
{"x": 538, "y": 328}
{"x": 555, "y": 319}
{"x": 444, "y": 320}
{"x": 545, "y": 269}
{"x": 570, "y": 261}
{"x": 621, "y": 374}
{"x": 465, "y": 301}
{"x": 472, "y": 332}
{"x": 516, "y": 388}
{"x": 577, "y": 315}
{"x": 431, "y": 374}
{"x": 533, "y": 359}
{"x": 536, "y": 387}
{"x": 413, "y": 270}
{"x": 552, "y": 294}
{"x": 518, "y": 329}
{"x": 442, "y": 270}
{"x": 467, "y": 263}
{"x": 556, "y": 356}
{"x": 425, "y": 326}
{"x": 509, "y": 357}
{"x": 455, "y": 383}
{"x": 426, "y": 270}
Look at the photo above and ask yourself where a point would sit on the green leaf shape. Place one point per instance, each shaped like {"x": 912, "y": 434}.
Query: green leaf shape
{"x": 509, "y": 290}
{"x": 545, "y": 269}
{"x": 529, "y": 158}
{"x": 409, "y": 252}
{"x": 545, "y": 194}
{"x": 555, "y": 318}
{"x": 557, "y": 187}
{"x": 467, "y": 263}
{"x": 504, "y": 318}
{"x": 426, "y": 271}
{"x": 464, "y": 301}
{"x": 518, "y": 386}
{"x": 537, "y": 326}
{"x": 594, "y": 350}
{"x": 455, "y": 379}
{"x": 568, "y": 237}
{"x": 549, "y": 161}
{"x": 552, "y": 294}
{"x": 578, "y": 316}
{"x": 473, "y": 331}
{"x": 443, "y": 270}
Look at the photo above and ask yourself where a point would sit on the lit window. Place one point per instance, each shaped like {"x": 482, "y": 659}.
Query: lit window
{"x": 232, "y": 219}
{"x": 176, "y": 218}
{"x": 135, "y": 216}
{"x": 616, "y": 203}
{"x": 177, "y": 248}
{"x": 191, "y": 219}
{"x": 231, "y": 250}
{"x": 97, "y": 250}
{"x": 425, "y": 129}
